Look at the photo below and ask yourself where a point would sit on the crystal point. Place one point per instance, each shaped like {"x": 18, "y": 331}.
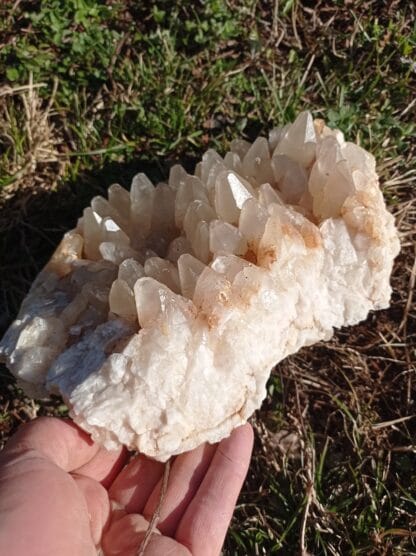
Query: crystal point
{"x": 231, "y": 191}
{"x": 226, "y": 238}
{"x": 189, "y": 270}
{"x": 299, "y": 141}
{"x": 121, "y": 300}
{"x": 256, "y": 163}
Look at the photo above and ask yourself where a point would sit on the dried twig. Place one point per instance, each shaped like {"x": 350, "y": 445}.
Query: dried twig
{"x": 156, "y": 515}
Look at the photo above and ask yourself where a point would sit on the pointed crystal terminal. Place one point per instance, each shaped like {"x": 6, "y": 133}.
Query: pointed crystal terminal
{"x": 275, "y": 135}
{"x": 121, "y": 300}
{"x": 177, "y": 176}
{"x": 211, "y": 160}
{"x": 233, "y": 162}
{"x": 198, "y": 211}
{"x": 192, "y": 189}
{"x": 130, "y": 271}
{"x": 139, "y": 185}
{"x": 116, "y": 252}
{"x": 252, "y": 222}
{"x": 299, "y": 141}
{"x": 211, "y": 289}
{"x": 240, "y": 147}
{"x": 200, "y": 242}
{"x": 142, "y": 195}
{"x": 110, "y": 231}
{"x": 91, "y": 223}
{"x": 268, "y": 195}
{"x": 164, "y": 271}
{"x": 269, "y": 246}
{"x": 291, "y": 178}
{"x": 231, "y": 191}
{"x": 189, "y": 269}
{"x": 179, "y": 246}
{"x": 229, "y": 265}
{"x": 156, "y": 302}
{"x": 103, "y": 208}
{"x": 226, "y": 238}
{"x": 358, "y": 159}
{"x": 330, "y": 180}
{"x": 198, "y": 170}
{"x": 68, "y": 251}
{"x": 256, "y": 163}
{"x": 119, "y": 198}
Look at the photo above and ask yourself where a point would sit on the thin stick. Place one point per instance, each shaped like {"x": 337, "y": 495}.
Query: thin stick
{"x": 309, "y": 495}
{"x": 156, "y": 515}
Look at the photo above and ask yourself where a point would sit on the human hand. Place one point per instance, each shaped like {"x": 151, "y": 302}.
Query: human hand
{"x": 58, "y": 488}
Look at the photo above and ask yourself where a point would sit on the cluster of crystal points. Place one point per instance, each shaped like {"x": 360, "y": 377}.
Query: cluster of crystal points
{"x": 160, "y": 316}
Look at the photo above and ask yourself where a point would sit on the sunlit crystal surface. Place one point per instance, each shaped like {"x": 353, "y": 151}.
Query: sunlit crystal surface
{"x": 159, "y": 318}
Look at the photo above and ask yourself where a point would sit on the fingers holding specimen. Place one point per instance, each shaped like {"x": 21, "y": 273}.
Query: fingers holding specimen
{"x": 135, "y": 483}
{"x": 204, "y": 525}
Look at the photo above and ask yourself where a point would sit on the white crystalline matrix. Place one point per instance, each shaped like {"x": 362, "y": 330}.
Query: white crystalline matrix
{"x": 159, "y": 317}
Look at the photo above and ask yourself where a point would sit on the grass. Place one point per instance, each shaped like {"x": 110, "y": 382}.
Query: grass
{"x": 92, "y": 91}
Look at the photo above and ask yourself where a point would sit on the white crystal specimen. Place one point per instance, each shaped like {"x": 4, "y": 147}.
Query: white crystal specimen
{"x": 160, "y": 317}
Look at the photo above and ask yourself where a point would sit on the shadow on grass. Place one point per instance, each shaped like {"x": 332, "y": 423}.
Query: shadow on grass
{"x": 32, "y": 223}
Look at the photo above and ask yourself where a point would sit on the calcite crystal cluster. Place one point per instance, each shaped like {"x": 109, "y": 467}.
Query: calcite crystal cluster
{"x": 159, "y": 317}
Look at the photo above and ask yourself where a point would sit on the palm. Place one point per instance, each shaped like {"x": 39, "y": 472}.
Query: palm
{"x": 61, "y": 494}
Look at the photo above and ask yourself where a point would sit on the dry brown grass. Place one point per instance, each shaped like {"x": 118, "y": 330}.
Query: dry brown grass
{"x": 31, "y": 139}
